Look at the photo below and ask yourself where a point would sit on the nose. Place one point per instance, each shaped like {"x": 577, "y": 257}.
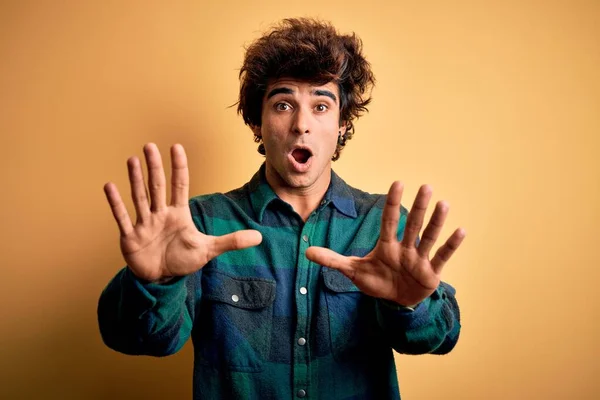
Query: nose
{"x": 301, "y": 121}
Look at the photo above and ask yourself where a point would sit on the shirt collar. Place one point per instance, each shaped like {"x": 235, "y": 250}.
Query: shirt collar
{"x": 261, "y": 194}
{"x": 338, "y": 193}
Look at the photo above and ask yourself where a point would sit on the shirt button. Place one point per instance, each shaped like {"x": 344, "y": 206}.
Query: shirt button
{"x": 301, "y": 393}
{"x": 301, "y": 341}
{"x": 303, "y": 290}
{"x": 235, "y": 298}
{"x": 305, "y": 238}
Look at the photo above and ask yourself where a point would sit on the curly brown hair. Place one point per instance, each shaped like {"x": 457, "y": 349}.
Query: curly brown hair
{"x": 313, "y": 51}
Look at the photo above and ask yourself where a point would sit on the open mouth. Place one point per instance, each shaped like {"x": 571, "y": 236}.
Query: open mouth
{"x": 301, "y": 155}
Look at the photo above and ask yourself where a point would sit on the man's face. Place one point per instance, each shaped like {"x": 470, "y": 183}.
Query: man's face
{"x": 300, "y": 127}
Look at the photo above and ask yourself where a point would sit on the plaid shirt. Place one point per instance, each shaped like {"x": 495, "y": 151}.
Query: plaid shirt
{"x": 268, "y": 323}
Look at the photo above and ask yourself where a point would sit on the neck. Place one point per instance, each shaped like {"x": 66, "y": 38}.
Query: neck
{"x": 303, "y": 199}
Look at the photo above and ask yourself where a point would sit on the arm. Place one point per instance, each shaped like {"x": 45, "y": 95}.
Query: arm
{"x": 400, "y": 275}
{"x": 148, "y": 308}
{"x": 143, "y": 318}
{"x": 432, "y": 327}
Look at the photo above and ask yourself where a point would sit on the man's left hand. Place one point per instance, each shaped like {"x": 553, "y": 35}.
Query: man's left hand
{"x": 399, "y": 271}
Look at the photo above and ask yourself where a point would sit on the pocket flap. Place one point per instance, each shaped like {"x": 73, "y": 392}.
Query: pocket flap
{"x": 243, "y": 292}
{"x": 336, "y": 281}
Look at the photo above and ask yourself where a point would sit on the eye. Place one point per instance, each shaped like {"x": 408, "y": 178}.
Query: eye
{"x": 282, "y": 106}
{"x": 322, "y": 107}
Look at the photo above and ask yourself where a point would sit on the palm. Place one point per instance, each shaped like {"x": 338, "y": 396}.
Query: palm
{"x": 165, "y": 241}
{"x": 400, "y": 271}
{"x": 395, "y": 273}
{"x": 170, "y": 245}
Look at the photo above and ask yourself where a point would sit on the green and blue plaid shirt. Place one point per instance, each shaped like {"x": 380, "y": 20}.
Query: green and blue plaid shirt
{"x": 268, "y": 323}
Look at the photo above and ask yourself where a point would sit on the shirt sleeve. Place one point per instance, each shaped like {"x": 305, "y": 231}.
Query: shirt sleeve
{"x": 141, "y": 318}
{"x": 433, "y": 327}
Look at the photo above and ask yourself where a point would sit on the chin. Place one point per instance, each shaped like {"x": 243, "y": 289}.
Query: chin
{"x": 299, "y": 180}
{"x": 291, "y": 178}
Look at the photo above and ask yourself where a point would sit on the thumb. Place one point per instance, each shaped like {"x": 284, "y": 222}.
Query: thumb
{"x": 233, "y": 241}
{"x": 331, "y": 259}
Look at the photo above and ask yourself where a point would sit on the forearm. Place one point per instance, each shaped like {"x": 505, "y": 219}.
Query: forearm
{"x": 145, "y": 319}
{"x": 433, "y": 326}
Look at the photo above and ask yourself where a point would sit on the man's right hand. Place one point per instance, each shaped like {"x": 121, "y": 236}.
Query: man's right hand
{"x": 164, "y": 242}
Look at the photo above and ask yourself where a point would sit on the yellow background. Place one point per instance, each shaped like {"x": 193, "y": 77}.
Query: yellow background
{"x": 496, "y": 104}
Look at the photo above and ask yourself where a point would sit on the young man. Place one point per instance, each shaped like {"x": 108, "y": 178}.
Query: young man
{"x": 295, "y": 285}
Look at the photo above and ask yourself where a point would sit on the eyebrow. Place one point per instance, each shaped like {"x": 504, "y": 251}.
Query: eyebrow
{"x": 326, "y": 93}
{"x": 279, "y": 90}
{"x": 285, "y": 90}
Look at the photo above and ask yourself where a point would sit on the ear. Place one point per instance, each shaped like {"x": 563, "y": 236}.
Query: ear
{"x": 256, "y": 130}
{"x": 343, "y": 127}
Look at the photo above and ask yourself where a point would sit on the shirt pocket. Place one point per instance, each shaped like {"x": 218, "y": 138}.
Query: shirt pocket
{"x": 353, "y": 329}
{"x": 235, "y": 321}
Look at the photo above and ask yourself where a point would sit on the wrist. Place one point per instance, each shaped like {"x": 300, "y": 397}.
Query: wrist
{"x": 144, "y": 280}
{"x": 397, "y": 306}
{"x": 163, "y": 280}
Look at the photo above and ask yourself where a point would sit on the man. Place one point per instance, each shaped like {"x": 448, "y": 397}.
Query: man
{"x": 295, "y": 285}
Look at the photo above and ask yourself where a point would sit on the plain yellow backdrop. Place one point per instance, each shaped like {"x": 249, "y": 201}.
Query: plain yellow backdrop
{"x": 496, "y": 104}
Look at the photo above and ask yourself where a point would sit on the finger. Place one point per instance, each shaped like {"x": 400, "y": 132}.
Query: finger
{"x": 433, "y": 228}
{"x": 445, "y": 252}
{"x": 331, "y": 259}
{"x": 233, "y": 241}
{"x": 156, "y": 177}
{"x": 138, "y": 189}
{"x": 180, "y": 177}
{"x": 391, "y": 213}
{"x": 118, "y": 209}
{"x": 414, "y": 222}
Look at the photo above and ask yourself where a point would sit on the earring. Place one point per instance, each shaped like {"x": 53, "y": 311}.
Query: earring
{"x": 341, "y": 139}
